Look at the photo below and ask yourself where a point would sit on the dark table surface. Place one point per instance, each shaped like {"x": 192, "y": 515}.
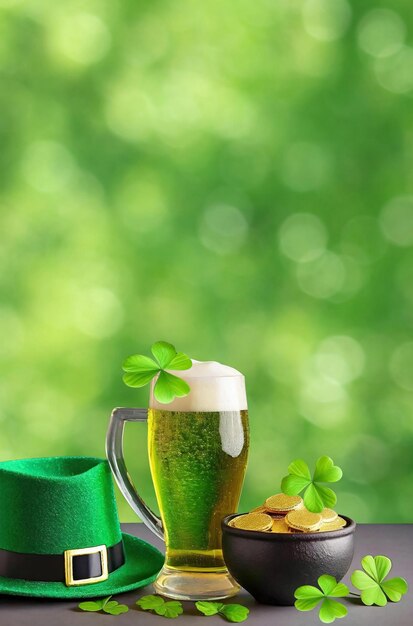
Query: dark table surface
{"x": 395, "y": 541}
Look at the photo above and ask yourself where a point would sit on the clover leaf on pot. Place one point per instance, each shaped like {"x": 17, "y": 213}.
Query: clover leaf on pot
{"x": 316, "y": 496}
{"x": 140, "y": 370}
{"x": 372, "y": 583}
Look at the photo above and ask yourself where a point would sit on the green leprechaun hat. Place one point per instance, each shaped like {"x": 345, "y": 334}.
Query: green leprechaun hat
{"x": 60, "y": 535}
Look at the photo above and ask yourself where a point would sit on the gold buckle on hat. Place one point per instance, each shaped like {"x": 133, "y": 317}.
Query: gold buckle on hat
{"x": 69, "y": 554}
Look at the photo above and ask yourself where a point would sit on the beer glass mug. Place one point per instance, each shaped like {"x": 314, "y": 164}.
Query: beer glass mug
{"x": 198, "y": 449}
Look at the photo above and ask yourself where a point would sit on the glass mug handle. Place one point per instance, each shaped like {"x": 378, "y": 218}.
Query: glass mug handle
{"x": 114, "y": 452}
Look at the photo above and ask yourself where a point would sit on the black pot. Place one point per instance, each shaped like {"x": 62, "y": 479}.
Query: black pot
{"x": 271, "y": 566}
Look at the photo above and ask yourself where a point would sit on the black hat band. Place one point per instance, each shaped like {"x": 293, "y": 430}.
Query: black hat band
{"x": 74, "y": 567}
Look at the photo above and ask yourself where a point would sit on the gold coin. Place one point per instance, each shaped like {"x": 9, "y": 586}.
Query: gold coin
{"x": 253, "y": 521}
{"x": 280, "y": 503}
{"x": 258, "y": 509}
{"x": 303, "y": 520}
{"x": 336, "y": 524}
{"x": 280, "y": 526}
{"x": 328, "y": 515}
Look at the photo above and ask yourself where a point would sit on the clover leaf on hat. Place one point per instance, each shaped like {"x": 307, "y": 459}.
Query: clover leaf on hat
{"x": 140, "y": 370}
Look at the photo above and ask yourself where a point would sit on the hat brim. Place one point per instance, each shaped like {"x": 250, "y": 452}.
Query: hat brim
{"x": 142, "y": 564}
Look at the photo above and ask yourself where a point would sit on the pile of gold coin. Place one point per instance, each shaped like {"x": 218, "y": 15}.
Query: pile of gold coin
{"x": 287, "y": 514}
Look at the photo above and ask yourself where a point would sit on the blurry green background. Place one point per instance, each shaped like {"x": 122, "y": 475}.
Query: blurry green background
{"x": 232, "y": 177}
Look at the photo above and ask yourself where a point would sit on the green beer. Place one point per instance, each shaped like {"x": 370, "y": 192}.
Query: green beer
{"x": 198, "y": 462}
{"x": 198, "y": 448}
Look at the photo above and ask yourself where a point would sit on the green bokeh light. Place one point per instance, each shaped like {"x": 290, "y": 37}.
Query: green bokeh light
{"x": 237, "y": 182}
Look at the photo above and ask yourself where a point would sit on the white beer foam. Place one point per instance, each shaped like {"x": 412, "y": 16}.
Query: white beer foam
{"x": 214, "y": 387}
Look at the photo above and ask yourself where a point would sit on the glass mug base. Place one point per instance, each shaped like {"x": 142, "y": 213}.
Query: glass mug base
{"x": 195, "y": 585}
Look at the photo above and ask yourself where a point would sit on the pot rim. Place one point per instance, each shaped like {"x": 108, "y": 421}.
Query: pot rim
{"x": 298, "y": 536}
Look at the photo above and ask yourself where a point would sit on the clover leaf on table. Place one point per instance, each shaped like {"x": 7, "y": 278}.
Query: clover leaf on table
{"x": 372, "y": 584}
{"x": 235, "y": 612}
{"x": 232, "y": 612}
{"x": 170, "y": 609}
{"x": 150, "y": 603}
{"x": 112, "y": 607}
{"x": 209, "y": 608}
{"x": 157, "y": 604}
{"x": 308, "y": 597}
{"x": 140, "y": 370}
{"x": 316, "y": 496}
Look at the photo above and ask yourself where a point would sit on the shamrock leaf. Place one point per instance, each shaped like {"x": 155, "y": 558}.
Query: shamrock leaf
{"x": 148, "y": 603}
{"x": 316, "y": 497}
{"x": 235, "y": 612}
{"x": 170, "y": 609}
{"x": 169, "y": 386}
{"x": 157, "y": 604}
{"x": 209, "y": 608}
{"x": 106, "y": 605}
{"x": 163, "y": 352}
{"x": 330, "y": 610}
{"x": 140, "y": 363}
{"x": 138, "y": 379}
{"x": 231, "y": 612}
{"x": 114, "y": 608}
{"x": 372, "y": 584}
{"x": 308, "y": 597}
{"x": 140, "y": 370}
